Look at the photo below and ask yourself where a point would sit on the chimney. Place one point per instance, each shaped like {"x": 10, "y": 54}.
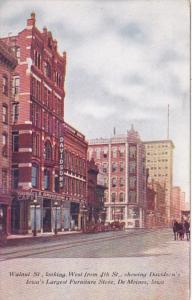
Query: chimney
{"x": 31, "y": 21}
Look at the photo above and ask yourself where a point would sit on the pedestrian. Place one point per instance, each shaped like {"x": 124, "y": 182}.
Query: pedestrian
{"x": 175, "y": 229}
{"x": 187, "y": 229}
{"x": 181, "y": 230}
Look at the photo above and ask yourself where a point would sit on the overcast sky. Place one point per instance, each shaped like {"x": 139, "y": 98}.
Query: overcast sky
{"x": 126, "y": 61}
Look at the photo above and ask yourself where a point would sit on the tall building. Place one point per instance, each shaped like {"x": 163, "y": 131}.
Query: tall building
{"x": 159, "y": 162}
{"x": 176, "y": 202}
{"x": 122, "y": 160}
{"x": 38, "y": 112}
{"x": 8, "y": 63}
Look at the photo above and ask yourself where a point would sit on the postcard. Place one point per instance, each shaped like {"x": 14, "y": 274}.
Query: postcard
{"x": 95, "y": 150}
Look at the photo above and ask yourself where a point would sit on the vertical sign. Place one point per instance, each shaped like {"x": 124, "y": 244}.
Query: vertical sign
{"x": 61, "y": 162}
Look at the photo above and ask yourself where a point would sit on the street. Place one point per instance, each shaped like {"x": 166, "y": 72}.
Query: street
{"x": 135, "y": 243}
{"x": 149, "y": 265}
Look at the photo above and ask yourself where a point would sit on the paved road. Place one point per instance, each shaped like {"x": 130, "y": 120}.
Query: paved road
{"x": 132, "y": 255}
{"x": 109, "y": 244}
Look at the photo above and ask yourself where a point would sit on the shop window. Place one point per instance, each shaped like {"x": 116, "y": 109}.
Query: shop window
{"x": 5, "y": 114}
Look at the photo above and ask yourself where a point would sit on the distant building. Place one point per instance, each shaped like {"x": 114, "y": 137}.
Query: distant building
{"x": 159, "y": 162}
{"x": 8, "y": 63}
{"x": 178, "y": 202}
{"x": 122, "y": 161}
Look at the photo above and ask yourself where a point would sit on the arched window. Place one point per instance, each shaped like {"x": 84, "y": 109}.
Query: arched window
{"x": 35, "y": 175}
{"x": 48, "y": 150}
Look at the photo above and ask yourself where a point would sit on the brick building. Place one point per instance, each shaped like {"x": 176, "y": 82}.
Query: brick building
{"x": 75, "y": 177}
{"x": 122, "y": 160}
{"x": 7, "y": 64}
{"x": 177, "y": 203}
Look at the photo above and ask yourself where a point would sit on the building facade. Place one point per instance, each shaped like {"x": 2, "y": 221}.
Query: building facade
{"x": 75, "y": 178}
{"x": 159, "y": 162}
{"x": 122, "y": 160}
{"x": 8, "y": 63}
{"x": 38, "y": 112}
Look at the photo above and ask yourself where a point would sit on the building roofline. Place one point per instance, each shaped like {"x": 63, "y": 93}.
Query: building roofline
{"x": 159, "y": 141}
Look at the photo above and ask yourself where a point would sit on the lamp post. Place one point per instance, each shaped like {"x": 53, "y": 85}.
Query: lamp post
{"x": 34, "y": 205}
{"x": 56, "y": 206}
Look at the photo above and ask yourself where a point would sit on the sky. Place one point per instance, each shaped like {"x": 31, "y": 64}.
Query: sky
{"x": 126, "y": 61}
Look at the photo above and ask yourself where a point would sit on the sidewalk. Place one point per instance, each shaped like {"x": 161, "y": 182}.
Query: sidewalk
{"x": 43, "y": 237}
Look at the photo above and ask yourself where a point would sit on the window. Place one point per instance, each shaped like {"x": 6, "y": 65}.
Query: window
{"x": 56, "y": 183}
{"x": 132, "y": 167}
{"x": 113, "y": 197}
{"x": 114, "y": 151}
{"x": 121, "y": 181}
{"x": 15, "y": 139}
{"x": 15, "y": 112}
{"x": 5, "y": 114}
{"x": 47, "y": 179}
{"x": 16, "y": 85}
{"x": 105, "y": 181}
{"x": 4, "y": 181}
{"x": 121, "y": 197}
{"x": 114, "y": 182}
{"x": 121, "y": 166}
{"x": 34, "y": 175}
{"x": 5, "y": 145}
{"x": 35, "y": 144}
{"x": 5, "y": 85}
{"x": 114, "y": 167}
{"x": 15, "y": 177}
{"x": 37, "y": 59}
{"x": 48, "y": 151}
{"x": 105, "y": 168}
{"x": 47, "y": 69}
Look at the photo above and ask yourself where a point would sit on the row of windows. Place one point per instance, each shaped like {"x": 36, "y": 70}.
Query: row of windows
{"x": 5, "y": 115}
{"x": 159, "y": 146}
{"x": 74, "y": 164}
{"x": 115, "y": 197}
{"x": 159, "y": 153}
{"x": 99, "y": 153}
{"x": 47, "y": 69}
{"x": 44, "y": 120}
{"x": 43, "y": 94}
{"x": 71, "y": 185}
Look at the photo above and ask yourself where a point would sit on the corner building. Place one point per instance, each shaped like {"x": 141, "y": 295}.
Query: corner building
{"x": 38, "y": 110}
{"x": 122, "y": 160}
{"x": 8, "y": 63}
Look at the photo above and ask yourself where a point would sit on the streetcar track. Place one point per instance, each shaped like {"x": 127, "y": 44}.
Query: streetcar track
{"x": 61, "y": 246}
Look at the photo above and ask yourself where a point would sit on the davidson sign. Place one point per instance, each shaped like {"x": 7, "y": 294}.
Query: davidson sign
{"x": 61, "y": 162}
